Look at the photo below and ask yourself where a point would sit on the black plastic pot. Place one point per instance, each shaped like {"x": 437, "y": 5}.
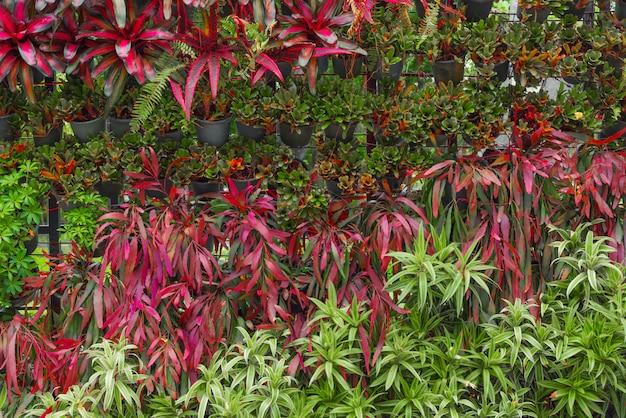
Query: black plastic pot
{"x": 203, "y": 187}
{"x": 448, "y": 70}
{"x": 335, "y": 131}
{"x": 450, "y": 195}
{"x": 394, "y": 183}
{"x": 620, "y": 9}
{"x": 32, "y": 243}
{"x": 348, "y": 66}
{"x": 477, "y": 9}
{"x": 175, "y": 136}
{"x": 395, "y": 71}
{"x": 109, "y": 189}
{"x": 51, "y": 138}
{"x": 333, "y": 188}
{"x": 253, "y": 132}
{"x": 501, "y": 69}
{"x": 241, "y": 185}
{"x": 297, "y": 137}
{"x": 6, "y": 130}
{"x": 213, "y": 133}
{"x": 119, "y": 127}
{"x": 579, "y": 12}
{"x": 83, "y": 130}
{"x": 533, "y": 15}
{"x": 613, "y": 129}
{"x": 158, "y": 194}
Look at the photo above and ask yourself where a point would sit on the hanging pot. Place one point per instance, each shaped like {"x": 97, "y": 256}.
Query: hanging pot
{"x": 255, "y": 133}
{"x": 83, "y": 130}
{"x": 213, "y": 133}
{"x": 32, "y": 243}
{"x": 620, "y": 10}
{"x": 6, "y": 130}
{"x": 335, "y": 131}
{"x": 52, "y": 137}
{"x": 119, "y": 127}
{"x": 448, "y": 70}
{"x": 109, "y": 189}
{"x": 450, "y": 195}
{"x": 348, "y": 66}
{"x": 477, "y": 9}
{"x": 332, "y": 187}
{"x": 159, "y": 194}
{"x": 579, "y": 12}
{"x": 532, "y": 14}
{"x": 297, "y": 137}
{"x": 203, "y": 187}
{"x": 394, "y": 184}
{"x": 395, "y": 70}
{"x": 613, "y": 129}
{"x": 175, "y": 136}
{"x": 243, "y": 184}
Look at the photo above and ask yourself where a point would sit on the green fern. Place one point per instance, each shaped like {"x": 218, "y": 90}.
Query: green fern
{"x": 427, "y": 25}
{"x": 150, "y": 96}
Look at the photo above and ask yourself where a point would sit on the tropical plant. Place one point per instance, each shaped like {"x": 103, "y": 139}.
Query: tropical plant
{"x": 21, "y": 51}
{"x": 311, "y": 28}
{"x": 132, "y": 47}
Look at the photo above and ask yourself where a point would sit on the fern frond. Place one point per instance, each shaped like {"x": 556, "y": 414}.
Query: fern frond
{"x": 150, "y": 96}
{"x": 428, "y": 25}
{"x": 184, "y": 49}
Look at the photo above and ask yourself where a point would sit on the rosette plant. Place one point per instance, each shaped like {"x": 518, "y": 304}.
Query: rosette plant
{"x": 311, "y": 28}
{"x": 134, "y": 48}
{"x": 209, "y": 50}
{"x": 21, "y": 52}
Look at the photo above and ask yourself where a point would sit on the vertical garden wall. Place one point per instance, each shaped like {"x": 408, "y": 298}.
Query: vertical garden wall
{"x": 318, "y": 208}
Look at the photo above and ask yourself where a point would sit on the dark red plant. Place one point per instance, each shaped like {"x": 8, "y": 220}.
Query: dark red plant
{"x": 312, "y": 30}
{"x": 21, "y": 51}
{"x": 132, "y": 49}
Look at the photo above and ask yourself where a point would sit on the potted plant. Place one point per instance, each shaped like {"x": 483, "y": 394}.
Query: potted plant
{"x": 45, "y": 116}
{"x": 531, "y": 115}
{"x": 200, "y": 168}
{"x": 447, "y": 49}
{"x": 443, "y": 111}
{"x": 80, "y": 221}
{"x": 10, "y": 104}
{"x": 487, "y": 48}
{"x": 610, "y": 41}
{"x": 239, "y": 162}
{"x": 86, "y": 107}
{"x": 252, "y": 109}
{"x": 575, "y": 113}
{"x": 340, "y": 164}
{"x": 212, "y": 114}
{"x": 122, "y": 111}
{"x": 293, "y": 107}
{"x": 166, "y": 120}
{"x": 392, "y": 166}
{"x": 342, "y": 106}
{"x": 485, "y": 120}
{"x": 533, "y": 51}
{"x": 22, "y": 42}
{"x": 393, "y": 115}
{"x": 21, "y": 209}
{"x": 386, "y": 41}
{"x": 312, "y": 29}
{"x": 537, "y": 10}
